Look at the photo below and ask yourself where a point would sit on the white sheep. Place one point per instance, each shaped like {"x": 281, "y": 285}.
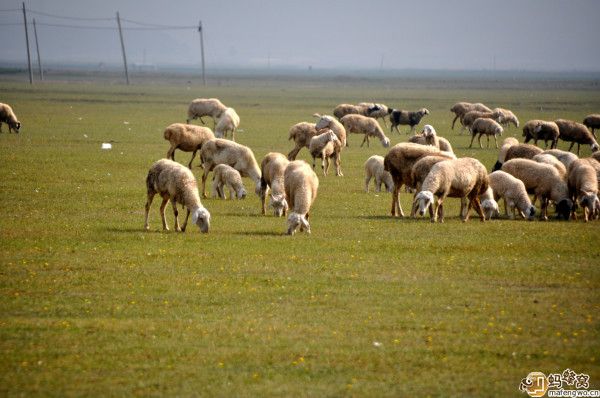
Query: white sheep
{"x": 484, "y": 126}
{"x": 187, "y": 138}
{"x": 301, "y": 186}
{"x": 552, "y": 160}
{"x": 328, "y": 122}
{"x": 205, "y": 107}
{"x": 326, "y": 145}
{"x": 461, "y": 108}
{"x": 376, "y": 111}
{"x": 506, "y": 117}
{"x": 513, "y": 191}
{"x": 464, "y": 178}
{"x": 429, "y": 137}
{"x": 506, "y": 144}
{"x": 359, "y": 124}
{"x": 348, "y": 109}
{"x": 175, "y": 182}
{"x": 583, "y": 188}
{"x": 420, "y": 171}
{"x": 564, "y": 157}
{"x": 240, "y": 157}
{"x": 272, "y": 168}
{"x": 468, "y": 118}
{"x": 228, "y": 121}
{"x": 8, "y": 116}
{"x": 301, "y": 133}
{"x": 224, "y": 175}
{"x": 374, "y": 169}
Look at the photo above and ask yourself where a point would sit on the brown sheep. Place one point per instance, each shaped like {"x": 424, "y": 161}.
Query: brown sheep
{"x": 574, "y": 132}
{"x": 541, "y": 130}
{"x": 592, "y": 122}
{"x": 187, "y": 138}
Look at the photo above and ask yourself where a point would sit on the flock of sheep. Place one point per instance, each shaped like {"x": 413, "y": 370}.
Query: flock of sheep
{"x": 426, "y": 164}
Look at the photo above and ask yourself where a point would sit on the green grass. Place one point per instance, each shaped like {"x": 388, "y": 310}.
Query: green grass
{"x": 90, "y": 304}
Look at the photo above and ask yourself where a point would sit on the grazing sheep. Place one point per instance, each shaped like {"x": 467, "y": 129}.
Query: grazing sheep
{"x": 348, "y": 109}
{"x": 376, "y": 111}
{"x": 429, "y": 137}
{"x": 374, "y": 169}
{"x": 469, "y": 118}
{"x": 545, "y": 182}
{"x": 574, "y": 132}
{"x": 272, "y": 168}
{"x": 489, "y": 204}
{"x": 205, "y": 107}
{"x": 364, "y": 125}
{"x": 592, "y": 122}
{"x": 328, "y": 122}
{"x": 506, "y": 117}
{"x": 595, "y": 164}
{"x": 400, "y": 117}
{"x": 523, "y": 151}
{"x": 326, "y": 145}
{"x": 420, "y": 170}
{"x": 564, "y": 157}
{"x": 8, "y": 116}
{"x": 488, "y": 127}
{"x": 553, "y": 161}
{"x": 460, "y": 108}
{"x": 513, "y": 191}
{"x": 224, "y": 175}
{"x": 507, "y": 143}
{"x": 228, "y": 121}
{"x": 301, "y": 133}
{"x": 301, "y": 185}
{"x": 583, "y": 188}
{"x": 187, "y": 138}
{"x": 464, "y": 178}
{"x": 240, "y": 157}
{"x": 174, "y": 182}
{"x": 399, "y": 162}
{"x": 541, "y": 130}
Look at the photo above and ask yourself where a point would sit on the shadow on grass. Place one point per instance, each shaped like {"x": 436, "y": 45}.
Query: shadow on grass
{"x": 259, "y": 233}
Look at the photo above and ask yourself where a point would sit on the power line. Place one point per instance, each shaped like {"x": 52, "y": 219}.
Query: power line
{"x": 68, "y": 17}
{"x": 68, "y": 26}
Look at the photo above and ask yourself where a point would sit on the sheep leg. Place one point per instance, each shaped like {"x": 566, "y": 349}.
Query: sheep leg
{"x": 478, "y": 208}
{"x": 571, "y": 146}
{"x": 544, "y": 212}
{"x": 163, "y": 205}
{"x": 453, "y": 121}
{"x": 496, "y": 139}
{"x": 233, "y": 135}
{"x": 187, "y": 215}
{"x": 438, "y": 214}
{"x": 263, "y": 199}
{"x": 472, "y": 138}
{"x": 578, "y": 145}
{"x": 395, "y": 193}
{"x": 325, "y": 165}
{"x": 412, "y": 130}
{"x": 294, "y": 152}
{"x": 204, "y": 177}
{"x": 193, "y": 156}
{"x": 338, "y": 168}
{"x": 171, "y": 153}
{"x": 176, "y": 213}
{"x": 479, "y": 141}
{"x": 201, "y": 121}
{"x": 148, "y": 203}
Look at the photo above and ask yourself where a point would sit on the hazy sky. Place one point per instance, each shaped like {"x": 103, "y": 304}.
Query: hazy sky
{"x": 430, "y": 34}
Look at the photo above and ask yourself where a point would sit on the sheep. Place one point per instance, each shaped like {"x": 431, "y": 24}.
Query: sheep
{"x": 488, "y": 127}
{"x": 175, "y": 182}
{"x": 376, "y": 111}
{"x": 186, "y": 137}
{"x": 468, "y": 118}
{"x": 365, "y": 125}
{"x": 460, "y": 108}
{"x": 328, "y": 122}
{"x": 400, "y": 117}
{"x": 240, "y": 157}
{"x": 574, "y": 132}
{"x": 301, "y": 133}
{"x": 429, "y": 137}
{"x": 301, "y": 186}
{"x": 228, "y": 121}
{"x": 348, "y": 109}
{"x": 8, "y": 116}
{"x": 507, "y": 143}
{"x": 419, "y": 172}
{"x": 205, "y": 107}
{"x": 583, "y": 188}
{"x": 564, "y": 157}
{"x": 545, "y": 182}
{"x": 224, "y": 175}
{"x": 553, "y": 161}
{"x": 524, "y": 151}
{"x": 464, "y": 178}
{"x": 374, "y": 169}
{"x": 326, "y": 145}
{"x": 399, "y": 162}
{"x": 596, "y": 155}
{"x": 488, "y": 204}
{"x": 506, "y": 117}
{"x": 272, "y": 168}
{"x": 513, "y": 191}
{"x": 592, "y": 122}
{"x": 541, "y": 130}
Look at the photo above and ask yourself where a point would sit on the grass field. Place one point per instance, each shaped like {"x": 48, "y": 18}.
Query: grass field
{"x": 367, "y": 305}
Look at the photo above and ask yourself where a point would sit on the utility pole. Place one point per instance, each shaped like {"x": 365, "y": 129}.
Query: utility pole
{"x": 202, "y": 52}
{"x": 27, "y": 40}
{"x": 123, "y": 48}
{"x": 37, "y": 47}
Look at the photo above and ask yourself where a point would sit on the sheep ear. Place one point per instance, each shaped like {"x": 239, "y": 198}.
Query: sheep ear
{"x": 318, "y": 115}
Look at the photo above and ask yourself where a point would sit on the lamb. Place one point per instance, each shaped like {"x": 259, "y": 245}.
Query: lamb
{"x": 507, "y": 143}
{"x": 488, "y": 127}
{"x": 228, "y": 121}
{"x": 348, "y": 109}
{"x": 506, "y": 117}
{"x": 205, "y": 107}
{"x": 460, "y": 108}
{"x": 328, "y": 122}
{"x": 541, "y": 130}
{"x": 174, "y": 182}
{"x": 419, "y": 171}
{"x": 326, "y": 145}
{"x": 186, "y": 137}
{"x": 524, "y": 151}
{"x": 574, "y": 132}
{"x": 513, "y": 191}
{"x": 240, "y": 157}
{"x": 464, "y": 178}
{"x": 374, "y": 169}
{"x": 301, "y": 133}
{"x": 224, "y": 175}
{"x": 429, "y": 137}
{"x": 399, "y": 162}
{"x": 376, "y": 111}
{"x": 545, "y": 182}
{"x": 400, "y": 117}
{"x": 301, "y": 186}
{"x": 564, "y": 157}
{"x": 488, "y": 204}
{"x": 469, "y": 118}
{"x": 272, "y": 168}
{"x": 8, "y": 116}
{"x": 365, "y": 125}
{"x": 592, "y": 122}
{"x": 553, "y": 161}
{"x": 583, "y": 188}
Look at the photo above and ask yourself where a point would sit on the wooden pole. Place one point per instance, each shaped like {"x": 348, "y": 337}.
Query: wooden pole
{"x": 202, "y": 52}
{"x": 27, "y": 40}
{"x": 123, "y": 48}
{"x": 37, "y": 47}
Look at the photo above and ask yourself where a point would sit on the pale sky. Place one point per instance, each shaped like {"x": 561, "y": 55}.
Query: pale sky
{"x": 353, "y": 34}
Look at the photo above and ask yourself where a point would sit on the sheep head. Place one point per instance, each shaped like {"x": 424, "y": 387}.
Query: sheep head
{"x": 297, "y": 221}
{"x": 324, "y": 121}
{"x": 490, "y": 208}
{"x": 424, "y": 199}
{"x": 428, "y": 131}
{"x": 590, "y": 203}
{"x": 563, "y": 209}
{"x": 279, "y": 204}
{"x": 385, "y": 142}
{"x": 530, "y": 213}
{"x": 201, "y": 217}
{"x": 241, "y": 193}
